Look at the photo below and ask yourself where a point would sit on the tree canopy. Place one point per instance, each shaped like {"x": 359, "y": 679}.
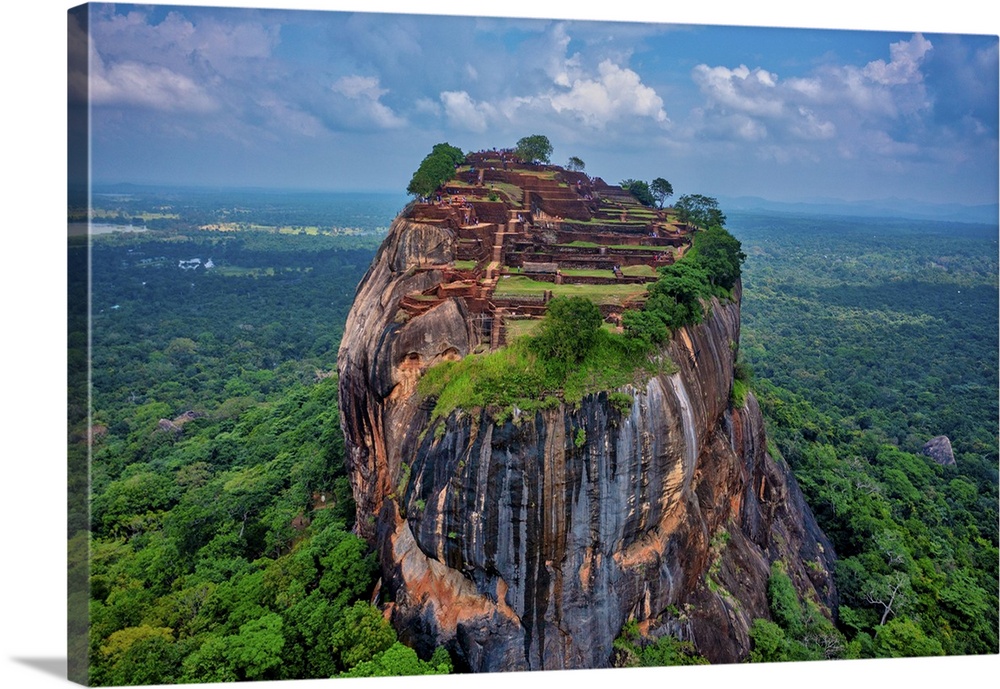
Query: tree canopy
{"x": 575, "y": 164}
{"x": 662, "y": 190}
{"x": 435, "y": 169}
{"x": 640, "y": 190}
{"x": 568, "y": 329}
{"x": 535, "y": 148}
{"x": 720, "y": 254}
{"x": 700, "y": 211}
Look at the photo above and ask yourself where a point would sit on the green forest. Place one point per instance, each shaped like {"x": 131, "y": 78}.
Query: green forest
{"x": 219, "y": 529}
{"x": 221, "y": 515}
{"x": 866, "y": 338}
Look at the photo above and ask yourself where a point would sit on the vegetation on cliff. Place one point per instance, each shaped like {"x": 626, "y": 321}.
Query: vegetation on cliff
{"x": 633, "y": 649}
{"x": 528, "y": 376}
{"x": 699, "y": 210}
{"x": 571, "y": 355}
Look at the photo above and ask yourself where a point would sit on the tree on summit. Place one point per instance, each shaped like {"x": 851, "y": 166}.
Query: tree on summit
{"x": 638, "y": 189}
{"x": 662, "y": 190}
{"x": 534, "y": 149}
{"x": 436, "y": 169}
{"x": 575, "y": 164}
{"x": 700, "y": 211}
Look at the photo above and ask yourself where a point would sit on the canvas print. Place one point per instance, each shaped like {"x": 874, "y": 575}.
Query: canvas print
{"x": 425, "y": 344}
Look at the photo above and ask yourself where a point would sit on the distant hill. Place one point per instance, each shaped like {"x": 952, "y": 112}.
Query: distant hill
{"x": 884, "y": 208}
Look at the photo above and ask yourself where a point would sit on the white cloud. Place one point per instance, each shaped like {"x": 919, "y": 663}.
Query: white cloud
{"x": 427, "y": 106}
{"x": 808, "y": 125}
{"x": 464, "y": 113}
{"x": 612, "y": 94}
{"x": 145, "y": 85}
{"x": 830, "y": 102}
{"x": 553, "y": 88}
{"x": 741, "y": 89}
{"x": 208, "y": 47}
{"x": 904, "y": 65}
{"x": 559, "y": 67}
{"x": 289, "y": 119}
{"x": 356, "y": 87}
{"x": 366, "y": 93}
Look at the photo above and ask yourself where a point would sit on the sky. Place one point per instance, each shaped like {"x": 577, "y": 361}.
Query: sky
{"x": 353, "y": 101}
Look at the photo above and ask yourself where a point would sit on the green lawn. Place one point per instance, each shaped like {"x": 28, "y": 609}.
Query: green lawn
{"x": 590, "y": 273}
{"x": 636, "y": 247}
{"x": 628, "y": 247}
{"x": 520, "y": 327}
{"x": 599, "y": 294}
{"x": 580, "y": 243}
{"x": 527, "y": 326}
{"x": 648, "y": 271}
{"x": 513, "y": 192}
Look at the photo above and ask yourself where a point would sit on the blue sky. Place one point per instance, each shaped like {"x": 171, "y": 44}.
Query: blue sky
{"x": 353, "y": 101}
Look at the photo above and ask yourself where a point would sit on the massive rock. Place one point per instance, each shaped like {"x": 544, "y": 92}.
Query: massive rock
{"x": 519, "y": 546}
{"x": 939, "y": 449}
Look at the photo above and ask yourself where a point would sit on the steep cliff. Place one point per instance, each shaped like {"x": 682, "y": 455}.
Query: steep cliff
{"x": 528, "y": 543}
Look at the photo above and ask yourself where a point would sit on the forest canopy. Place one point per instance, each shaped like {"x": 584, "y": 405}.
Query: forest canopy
{"x": 219, "y": 536}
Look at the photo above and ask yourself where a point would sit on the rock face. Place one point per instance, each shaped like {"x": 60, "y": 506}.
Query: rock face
{"x": 519, "y": 546}
{"x": 939, "y": 449}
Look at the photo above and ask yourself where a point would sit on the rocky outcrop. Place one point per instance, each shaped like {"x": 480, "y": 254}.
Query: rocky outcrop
{"x": 527, "y": 543}
{"x": 939, "y": 449}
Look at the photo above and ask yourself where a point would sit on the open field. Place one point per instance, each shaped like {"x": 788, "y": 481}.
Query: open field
{"x": 600, "y": 294}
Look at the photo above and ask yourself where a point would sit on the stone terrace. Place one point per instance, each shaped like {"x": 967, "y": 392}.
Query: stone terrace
{"x": 527, "y": 232}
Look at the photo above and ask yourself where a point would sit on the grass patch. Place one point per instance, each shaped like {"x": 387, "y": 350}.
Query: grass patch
{"x": 640, "y": 270}
{"x": 585, "y": 272}
{"x": 639, "y": 247}
{"x": 627, "y": 247}
{"x": 541, "y": 174}
{"x": 521, "y": 327}
{"x": 579, "y": 243}
{"x": 516, "y": 376}
{"x": 511, "y": 191}
{"x": 518, "y": 285}
{"x": 739, "y": 393}
{"x": 466, "y": 264}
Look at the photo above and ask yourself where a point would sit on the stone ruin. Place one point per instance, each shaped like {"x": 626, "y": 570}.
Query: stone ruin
{"x": 530, "y": 224}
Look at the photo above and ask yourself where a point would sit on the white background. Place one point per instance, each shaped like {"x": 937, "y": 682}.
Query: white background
{"x": 32, "y": 333}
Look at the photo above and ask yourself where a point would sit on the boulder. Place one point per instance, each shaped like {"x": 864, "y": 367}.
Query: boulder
{"x": 939, "y": 449}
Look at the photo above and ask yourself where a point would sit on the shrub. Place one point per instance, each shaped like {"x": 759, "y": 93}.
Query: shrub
{"x": 568, "y": 330}
{"x": 640, "y": 190}
{"x": 783, "y": 600}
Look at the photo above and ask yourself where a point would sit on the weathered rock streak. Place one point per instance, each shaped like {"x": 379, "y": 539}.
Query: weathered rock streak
{"x": 520, "y": 547}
